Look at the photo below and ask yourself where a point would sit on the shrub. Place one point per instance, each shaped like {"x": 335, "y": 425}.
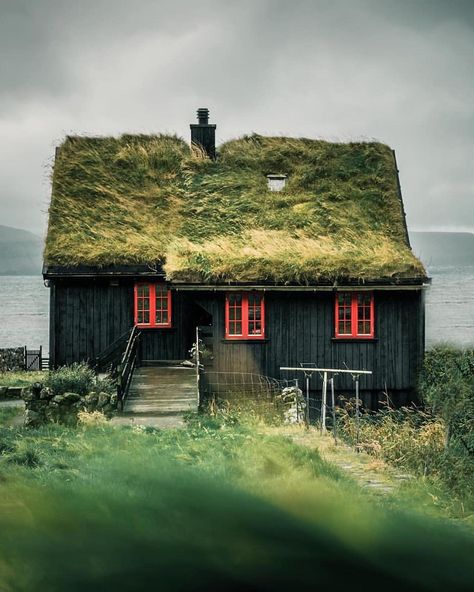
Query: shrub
{"x": 413, "y": 440}
{"x": 447, "y": 388}
{"x": 91, "y": 418}
{"x": 77, "y": 378}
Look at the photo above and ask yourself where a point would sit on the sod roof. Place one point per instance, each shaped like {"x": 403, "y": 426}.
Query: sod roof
{"x": 143, "y": 199}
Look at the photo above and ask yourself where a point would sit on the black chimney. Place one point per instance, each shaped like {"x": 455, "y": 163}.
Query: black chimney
{"x": 204, "y": 133}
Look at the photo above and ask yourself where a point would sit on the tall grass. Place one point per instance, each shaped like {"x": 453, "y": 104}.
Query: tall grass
{"x": 151, "y": 198}
{"x": 437, "y": 441}
{"x": 212, "y": 506}
{"x": 21, "y": 378}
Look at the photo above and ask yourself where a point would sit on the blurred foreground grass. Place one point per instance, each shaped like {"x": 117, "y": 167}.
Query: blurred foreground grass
{"x": 211, "y": 506}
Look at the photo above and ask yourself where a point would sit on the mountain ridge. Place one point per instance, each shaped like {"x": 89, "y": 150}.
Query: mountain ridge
{"x": 21, "y": 252}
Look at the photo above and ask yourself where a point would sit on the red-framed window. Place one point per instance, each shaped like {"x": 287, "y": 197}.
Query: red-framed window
{"x": 354, "y": 315}
{"x": 152, "y": 305}
{"x": 244, "y": 315}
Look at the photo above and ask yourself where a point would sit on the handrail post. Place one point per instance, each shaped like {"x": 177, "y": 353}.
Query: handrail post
{"x": 357, "y": 410}
{"x": 323, "y": 402}
{"x": 198, "y": 361}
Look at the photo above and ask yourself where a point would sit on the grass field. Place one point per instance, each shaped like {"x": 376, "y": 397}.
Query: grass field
{"x": 222, "y": 503}
{"x": 21, "y": 378}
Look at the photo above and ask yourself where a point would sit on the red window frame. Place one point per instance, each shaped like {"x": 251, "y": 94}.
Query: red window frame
{"x": 243, "y": 311}
{"x": 152, "y": 306}
{"x": 354, "y": 315}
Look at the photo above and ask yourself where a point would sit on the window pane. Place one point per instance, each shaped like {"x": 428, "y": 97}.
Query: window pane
{"x": 161, "y": 305}
{"x": 254, "y": 314}
{"x": 235, "y": 328}
{"x": 235, "y": 314}
{"x": 364, "y": 313}
{"x": 344, "y": 299}
{"x": 344, "y": 328}
{"x": 143, "y": 304}
{"x": 344, "y": 313}
{"x": 235, "y": 299}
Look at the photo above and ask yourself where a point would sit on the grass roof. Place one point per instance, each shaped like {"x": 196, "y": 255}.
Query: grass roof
{"x": 142, "y": 199}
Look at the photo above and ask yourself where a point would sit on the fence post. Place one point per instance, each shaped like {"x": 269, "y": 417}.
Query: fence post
{"x": 198, "y": 396}
{"x": 308, "y": 377}
{"x": 333, "y": 403}
{"x": 323, "y": 402}
{"x": 357, "y": 411}
{"x": 296, "y": 399}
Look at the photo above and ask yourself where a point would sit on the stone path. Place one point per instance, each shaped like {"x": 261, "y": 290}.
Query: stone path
{"x": 371, "y": 473}
{"x": 159, "y": 396}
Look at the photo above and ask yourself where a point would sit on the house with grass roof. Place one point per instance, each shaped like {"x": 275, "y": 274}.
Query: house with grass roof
{"x": 280, "y": 250}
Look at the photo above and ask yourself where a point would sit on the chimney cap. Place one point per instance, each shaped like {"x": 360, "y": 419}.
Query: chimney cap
{"x": 203, "y": 115}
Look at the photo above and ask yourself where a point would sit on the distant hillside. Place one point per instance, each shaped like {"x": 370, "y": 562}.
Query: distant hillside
{"x": 20, "y": 252}
{"x": 443, "y": 248}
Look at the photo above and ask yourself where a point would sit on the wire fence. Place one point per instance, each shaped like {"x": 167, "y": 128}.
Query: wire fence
{"x": 242, "y": 384}
{"x": 310, "y": 398}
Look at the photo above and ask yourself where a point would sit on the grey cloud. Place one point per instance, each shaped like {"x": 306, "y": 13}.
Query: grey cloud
{"x": 397, "y": 71}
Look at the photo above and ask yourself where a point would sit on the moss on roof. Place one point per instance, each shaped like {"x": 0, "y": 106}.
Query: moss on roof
{"x": 142, "y": 199}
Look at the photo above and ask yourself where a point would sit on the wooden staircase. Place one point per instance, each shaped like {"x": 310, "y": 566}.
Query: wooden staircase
{"x": 159, "y": 396}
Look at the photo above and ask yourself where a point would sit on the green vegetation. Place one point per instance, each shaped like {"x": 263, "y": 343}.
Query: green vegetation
{"x": 220, "y": 503}
{"x": 143, "y": 199}
{"x": 21, "y": 378}
{"x": 77, "y": 378}
{"x": 437, "y": 443}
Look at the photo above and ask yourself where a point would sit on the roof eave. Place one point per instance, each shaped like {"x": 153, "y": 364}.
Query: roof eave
{"x": 156, "y": 271}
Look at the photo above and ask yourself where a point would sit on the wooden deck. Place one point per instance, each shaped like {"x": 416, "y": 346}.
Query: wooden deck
{"x": 159, "y": 396}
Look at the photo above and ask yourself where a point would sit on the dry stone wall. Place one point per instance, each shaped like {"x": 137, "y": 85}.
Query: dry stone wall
{"x": 12, "y": 359}
{"x": 43, "y": 406}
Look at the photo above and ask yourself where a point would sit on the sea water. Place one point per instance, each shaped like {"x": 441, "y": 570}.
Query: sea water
{"x": 24, "y": 309}
{"x": 24, "y": 312}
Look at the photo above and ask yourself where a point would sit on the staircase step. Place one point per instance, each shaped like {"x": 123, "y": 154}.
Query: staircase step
{"x": 161, "y": 390}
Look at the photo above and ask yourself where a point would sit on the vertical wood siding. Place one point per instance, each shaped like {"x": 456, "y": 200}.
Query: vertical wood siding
{"x": 88, "y": 316}
{"x": 300, "y": 328}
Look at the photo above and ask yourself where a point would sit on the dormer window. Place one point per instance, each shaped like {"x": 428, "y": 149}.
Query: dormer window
{"x": 276, "y": 182}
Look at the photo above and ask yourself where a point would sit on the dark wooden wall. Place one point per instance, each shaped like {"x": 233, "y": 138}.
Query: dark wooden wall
{"x": 88, "y": 315}
{"x": 300, "y": 328}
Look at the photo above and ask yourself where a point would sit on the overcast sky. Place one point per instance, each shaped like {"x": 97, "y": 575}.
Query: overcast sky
{"x": 400, "y": 71}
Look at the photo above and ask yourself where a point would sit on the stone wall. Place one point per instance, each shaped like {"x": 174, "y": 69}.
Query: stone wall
{"x": 12, "y": 392}
{"x": 43, "y": 406}
{"x": 12, "y": 359}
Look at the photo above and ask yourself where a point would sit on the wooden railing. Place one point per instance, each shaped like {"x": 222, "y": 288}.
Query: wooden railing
{"x": 126, "y": 367}
{"x": 198, "y": 369}
{"x": 111, "y": 356}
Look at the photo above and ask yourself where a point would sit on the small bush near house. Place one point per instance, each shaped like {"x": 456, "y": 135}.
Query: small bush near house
{"x": 91, "y": 418}
{"x": 77, "y": 378}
